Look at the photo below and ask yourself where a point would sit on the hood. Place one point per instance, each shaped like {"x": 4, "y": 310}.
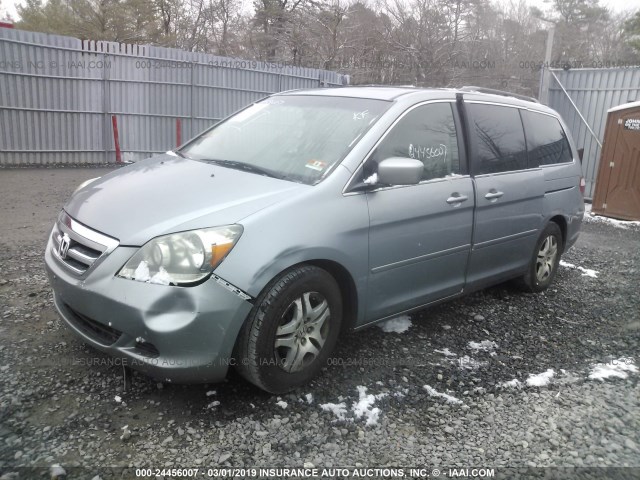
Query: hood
{"x": 167, "y": 194}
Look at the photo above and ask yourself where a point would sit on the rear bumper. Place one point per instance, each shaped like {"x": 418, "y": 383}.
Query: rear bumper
{"x": 177, "y": 334}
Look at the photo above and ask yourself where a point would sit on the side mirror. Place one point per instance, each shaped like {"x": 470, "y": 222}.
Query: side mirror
{"x": 400, "y": 171}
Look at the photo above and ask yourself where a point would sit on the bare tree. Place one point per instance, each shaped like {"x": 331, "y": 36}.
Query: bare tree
{"x": 419, "y": 42}
{"x": 632, "y": 32}
{"x": 274, "y": 17}
{"x": 222, "y": 21}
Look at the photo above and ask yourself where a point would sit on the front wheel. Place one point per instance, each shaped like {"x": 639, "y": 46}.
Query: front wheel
{"x": 291, "y": 330}
{"x": 543, "y": 265}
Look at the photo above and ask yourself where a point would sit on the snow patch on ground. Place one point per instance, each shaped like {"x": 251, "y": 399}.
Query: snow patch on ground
{"x": 468, "y": 363}
{"x": 591, "y": 218}
{"x": 309, "y": 398}
{"x": 397, "y": 325}
{"x": 616, "y": 368}
{"x": 540, "y": 379}
{"x": 446, "y": 352}
{"x": 448, "y": 398}
{"x": 338, "y": 409}
{"x": 363, "y": 408}
{"x": 515, "y": 383}
{"x": 585, "y": 271}
{"x": 483, "y": 346}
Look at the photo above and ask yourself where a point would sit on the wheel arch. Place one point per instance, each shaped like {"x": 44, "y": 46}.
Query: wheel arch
{"x": 344, "y": 279}
{"x": 252, "y": 343}
{"x": 562, "y": 223}
{"x": 347, "y": 287}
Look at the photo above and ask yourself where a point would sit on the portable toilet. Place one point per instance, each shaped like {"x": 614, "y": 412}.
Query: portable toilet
{"x": 617, "y": 190}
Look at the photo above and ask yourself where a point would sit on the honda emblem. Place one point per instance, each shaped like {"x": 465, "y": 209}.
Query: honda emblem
{"x": 63, "y": 248}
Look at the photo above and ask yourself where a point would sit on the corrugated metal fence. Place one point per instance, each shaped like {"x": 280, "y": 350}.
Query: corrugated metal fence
{"x": 593, "y": 91}
{"x": 58, "y": 95}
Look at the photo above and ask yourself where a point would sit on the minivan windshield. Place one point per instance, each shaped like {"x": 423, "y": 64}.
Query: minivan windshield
{"x": 291, "y": 137}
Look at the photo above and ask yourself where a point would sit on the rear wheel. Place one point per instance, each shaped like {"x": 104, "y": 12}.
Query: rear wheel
{"x": 291, "y": 330}
{"x": 545, "y": 260}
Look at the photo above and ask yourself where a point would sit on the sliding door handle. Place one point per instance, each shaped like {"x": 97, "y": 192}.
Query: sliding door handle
{"x": 493, "y": 195}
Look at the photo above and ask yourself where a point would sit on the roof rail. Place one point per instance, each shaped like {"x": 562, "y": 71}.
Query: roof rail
{"x": 493, "y": 91}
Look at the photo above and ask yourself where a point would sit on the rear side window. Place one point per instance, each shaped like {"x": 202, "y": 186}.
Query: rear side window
{"x": 498, "y": 137}
{"x": 546, "y": 140}
{"x": 427, "y": 133}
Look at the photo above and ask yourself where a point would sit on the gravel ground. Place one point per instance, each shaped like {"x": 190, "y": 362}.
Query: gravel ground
{"x": 454, "y": 390}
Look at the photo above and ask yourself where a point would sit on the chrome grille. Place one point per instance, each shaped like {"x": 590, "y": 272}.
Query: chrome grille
{"x": 78, "y": 247}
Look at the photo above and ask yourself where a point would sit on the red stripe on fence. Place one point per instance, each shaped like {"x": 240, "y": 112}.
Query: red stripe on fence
{"x": 116, "y": 139}
{"x": 178, "y": 132}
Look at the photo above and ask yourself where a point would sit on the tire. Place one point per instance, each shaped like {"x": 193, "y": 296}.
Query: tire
{"x": 544, "y": 262}
{"x": 291, "y": 330}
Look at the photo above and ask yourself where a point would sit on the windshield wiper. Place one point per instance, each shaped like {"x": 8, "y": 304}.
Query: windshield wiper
{"x": 247, "y": 167}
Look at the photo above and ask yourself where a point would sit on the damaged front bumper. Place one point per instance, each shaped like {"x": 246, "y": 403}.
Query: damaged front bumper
{"x": 177, "y": 334}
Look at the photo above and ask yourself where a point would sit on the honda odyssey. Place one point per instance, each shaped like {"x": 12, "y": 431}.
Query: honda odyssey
{"x": 309, "y": 213}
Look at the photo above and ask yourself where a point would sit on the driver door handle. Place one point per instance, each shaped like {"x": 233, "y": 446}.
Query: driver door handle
{"x": 456, "y": 199}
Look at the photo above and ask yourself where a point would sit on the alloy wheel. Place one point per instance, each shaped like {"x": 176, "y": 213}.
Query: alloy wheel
{"x": 302, "y": 332}
{"x": 546, "y": 260}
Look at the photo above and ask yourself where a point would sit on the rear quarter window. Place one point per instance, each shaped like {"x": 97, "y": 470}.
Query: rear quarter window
{"x": 546, "y": 140}
{"x": 498, "y": 139}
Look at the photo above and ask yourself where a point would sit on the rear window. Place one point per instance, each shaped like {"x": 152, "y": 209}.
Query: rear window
{"x": 498, "y": 138}
{"x": 546, "y": 141}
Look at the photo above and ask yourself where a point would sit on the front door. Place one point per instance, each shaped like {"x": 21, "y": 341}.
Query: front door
{"x": 419, "y": 235}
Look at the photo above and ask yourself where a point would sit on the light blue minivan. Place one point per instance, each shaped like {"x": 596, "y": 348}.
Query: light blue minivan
{"x": 307, "y": 214}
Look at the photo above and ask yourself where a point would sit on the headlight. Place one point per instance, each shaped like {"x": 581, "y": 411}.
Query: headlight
{"x": 85, "y": 183}
{"x": 182, "y": 258}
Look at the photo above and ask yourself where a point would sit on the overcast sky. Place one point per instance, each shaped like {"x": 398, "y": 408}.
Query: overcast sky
{"x": 9, "y": 6}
